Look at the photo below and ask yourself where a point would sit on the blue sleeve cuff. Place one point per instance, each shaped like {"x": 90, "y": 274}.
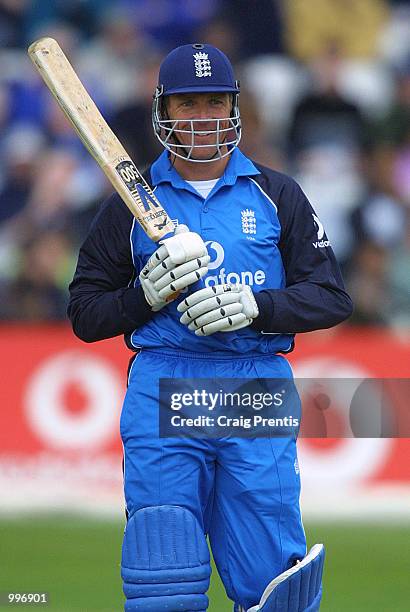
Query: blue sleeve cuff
{"x": 135, "y": 307}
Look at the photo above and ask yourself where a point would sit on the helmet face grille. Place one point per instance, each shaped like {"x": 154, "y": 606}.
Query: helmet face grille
{"x": 227, "y": 130}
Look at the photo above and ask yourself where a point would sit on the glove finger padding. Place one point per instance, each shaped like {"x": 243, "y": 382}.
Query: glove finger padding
{"x": 182, "y": 283}
{"x": 219, "y": 308}
{"x": 237, "y": 324}
{"x": 225, "y": 324}
{"x": 204, "y": 294}
{"x": 215, "y": 315}
{"x": 173, "y": 275}
{"x": 156, "y": 260}
{"x": 161, "y": 268}
{"x": 179, "y": 262}
{"x": 207, "y": 305}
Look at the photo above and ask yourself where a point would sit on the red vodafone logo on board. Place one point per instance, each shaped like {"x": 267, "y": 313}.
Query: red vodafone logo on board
{"x": 339, "y": 461}
{"x": 72, "y": 401}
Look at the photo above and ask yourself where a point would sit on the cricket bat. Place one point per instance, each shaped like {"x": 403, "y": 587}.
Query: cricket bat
{"x": 98, "y": 137}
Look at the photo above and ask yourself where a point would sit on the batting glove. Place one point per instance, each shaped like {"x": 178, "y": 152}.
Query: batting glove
{"x": 220, "y": 308}
{"x": 179, "y": 262}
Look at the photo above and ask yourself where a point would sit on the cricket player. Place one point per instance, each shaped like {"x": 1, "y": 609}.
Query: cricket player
{"x": 249, "y": 266}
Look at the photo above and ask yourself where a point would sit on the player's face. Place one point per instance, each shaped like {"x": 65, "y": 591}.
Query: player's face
{"x": 208, "y": 107}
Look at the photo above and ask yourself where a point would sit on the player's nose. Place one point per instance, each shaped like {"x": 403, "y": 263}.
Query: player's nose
{"x": 204, "y": 112}
{"x": 208, "y": 121}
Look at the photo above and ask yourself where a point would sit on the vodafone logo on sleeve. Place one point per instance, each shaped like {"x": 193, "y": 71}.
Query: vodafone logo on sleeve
{"x": 320, "y": 243}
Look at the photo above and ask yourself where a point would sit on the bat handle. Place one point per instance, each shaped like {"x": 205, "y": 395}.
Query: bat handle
{"x": 173, "y": 296}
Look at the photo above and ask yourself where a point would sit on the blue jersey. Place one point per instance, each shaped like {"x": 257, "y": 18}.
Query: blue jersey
{"x": 259, "y": 229}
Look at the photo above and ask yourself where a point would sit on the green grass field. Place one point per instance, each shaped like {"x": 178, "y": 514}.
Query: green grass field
{"x": 77, "y": 563}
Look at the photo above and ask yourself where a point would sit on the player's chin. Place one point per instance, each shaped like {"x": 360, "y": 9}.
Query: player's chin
{"x": 205, "y": 152}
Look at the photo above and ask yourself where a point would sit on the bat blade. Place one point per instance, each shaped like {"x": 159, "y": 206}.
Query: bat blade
{"x": 97, "y": 136}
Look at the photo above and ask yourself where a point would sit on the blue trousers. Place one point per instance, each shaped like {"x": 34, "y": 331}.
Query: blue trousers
{"x": 244, "y": 492}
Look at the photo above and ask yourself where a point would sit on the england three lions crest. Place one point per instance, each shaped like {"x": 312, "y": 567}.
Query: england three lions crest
{"x": 248, "y": 221}
{"x": 202, "y": 65}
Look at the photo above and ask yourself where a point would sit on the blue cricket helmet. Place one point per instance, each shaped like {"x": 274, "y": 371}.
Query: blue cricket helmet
{"x": 196, "y": 68}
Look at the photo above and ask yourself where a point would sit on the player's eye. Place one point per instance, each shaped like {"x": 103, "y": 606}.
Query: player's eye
{"x": 187, "y": 104}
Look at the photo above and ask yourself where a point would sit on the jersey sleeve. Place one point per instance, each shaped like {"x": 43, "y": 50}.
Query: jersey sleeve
{"x": 103, "y": 301}
{"x": 314, "y": 296}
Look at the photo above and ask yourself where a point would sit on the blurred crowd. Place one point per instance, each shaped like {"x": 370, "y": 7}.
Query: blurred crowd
{"x": 325, "y": 97}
